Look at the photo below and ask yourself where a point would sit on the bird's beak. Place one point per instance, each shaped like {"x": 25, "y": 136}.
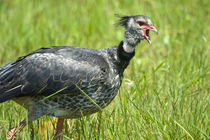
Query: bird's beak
{"x": 147, "y": 28}
{"x": 152, "y": 28}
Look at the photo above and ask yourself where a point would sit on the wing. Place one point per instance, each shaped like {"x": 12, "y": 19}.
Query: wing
{"x": 48, "y": 70}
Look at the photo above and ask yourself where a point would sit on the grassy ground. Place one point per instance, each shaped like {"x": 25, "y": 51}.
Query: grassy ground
{"x": 165, "y": 92}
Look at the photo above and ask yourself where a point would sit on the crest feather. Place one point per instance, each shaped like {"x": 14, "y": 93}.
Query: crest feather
{"x": 123, "y": 20}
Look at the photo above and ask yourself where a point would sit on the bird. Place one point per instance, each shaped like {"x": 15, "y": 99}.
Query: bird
{"x": 70, "y": 82}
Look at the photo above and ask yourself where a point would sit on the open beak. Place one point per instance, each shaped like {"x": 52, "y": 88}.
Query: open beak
{"x": 146, "y": 32}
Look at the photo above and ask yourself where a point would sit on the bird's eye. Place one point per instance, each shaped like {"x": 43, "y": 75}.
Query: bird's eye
{"x": 141, "y": 23}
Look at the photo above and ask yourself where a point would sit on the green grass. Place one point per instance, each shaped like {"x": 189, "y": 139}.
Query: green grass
{"x": 165, "y": 92}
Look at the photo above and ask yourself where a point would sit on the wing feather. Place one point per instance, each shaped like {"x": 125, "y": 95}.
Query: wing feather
{"x": 48, "y": 70}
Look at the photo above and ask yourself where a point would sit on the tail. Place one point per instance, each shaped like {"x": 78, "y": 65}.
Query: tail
{"x": 9, "y": 88}
{"x": 9, "y": 94}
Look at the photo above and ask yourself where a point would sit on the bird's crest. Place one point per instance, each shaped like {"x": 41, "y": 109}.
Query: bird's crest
{"x": 123, "y": 20}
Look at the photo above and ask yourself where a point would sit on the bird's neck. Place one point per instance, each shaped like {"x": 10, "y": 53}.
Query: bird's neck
{"x": 124, "y": 56}
{"x": 128, "y": 47}
{"x": 120, "y": 58}
{"x": 130, "y": 41}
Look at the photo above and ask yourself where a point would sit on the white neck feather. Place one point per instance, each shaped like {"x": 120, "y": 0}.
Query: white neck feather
{"x": 127, "y": 47}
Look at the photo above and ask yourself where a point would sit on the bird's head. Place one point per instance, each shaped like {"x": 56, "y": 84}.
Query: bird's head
{"x": 137, "y": 28}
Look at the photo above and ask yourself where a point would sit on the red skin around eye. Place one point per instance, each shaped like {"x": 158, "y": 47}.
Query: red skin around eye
{"x": 145, "y": 26}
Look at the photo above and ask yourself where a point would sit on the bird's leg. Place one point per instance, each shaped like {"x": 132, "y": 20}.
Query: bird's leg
{"x": 11, "y": 135}
{"x": 58, "y": 134}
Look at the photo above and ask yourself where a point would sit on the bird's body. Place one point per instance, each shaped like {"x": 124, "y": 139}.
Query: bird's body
{"x": 96, "y": 72}
{"x": 70, "y": 82}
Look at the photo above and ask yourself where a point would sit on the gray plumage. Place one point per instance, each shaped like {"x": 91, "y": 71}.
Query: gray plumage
{"x": 97, "y": 72}
{"x": 31, "y": 78}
